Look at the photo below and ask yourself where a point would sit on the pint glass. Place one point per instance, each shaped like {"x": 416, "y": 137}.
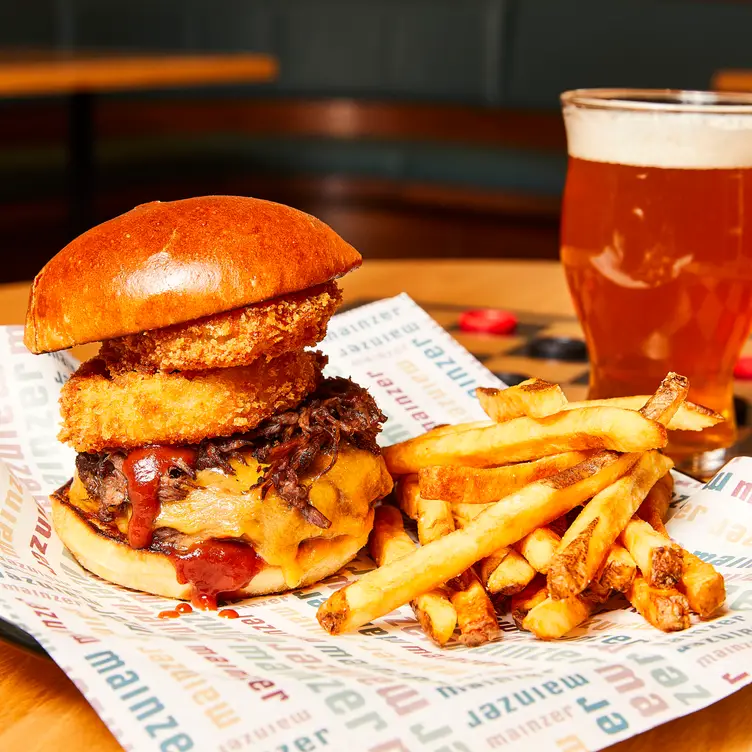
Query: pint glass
{"x": 656, "y": 243}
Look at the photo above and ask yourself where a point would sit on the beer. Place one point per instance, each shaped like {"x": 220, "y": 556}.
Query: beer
{"x": 656, "y": 242}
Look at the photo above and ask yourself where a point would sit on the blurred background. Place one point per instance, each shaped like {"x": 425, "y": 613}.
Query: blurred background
{"x": 417, "y": 128}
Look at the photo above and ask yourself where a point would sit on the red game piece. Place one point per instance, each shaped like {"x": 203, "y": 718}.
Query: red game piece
{"x": 488, "y": 321}
{"x": 743, "y": 369}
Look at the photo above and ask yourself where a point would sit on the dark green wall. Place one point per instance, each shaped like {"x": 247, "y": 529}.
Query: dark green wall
{"x": 482, "y": 52}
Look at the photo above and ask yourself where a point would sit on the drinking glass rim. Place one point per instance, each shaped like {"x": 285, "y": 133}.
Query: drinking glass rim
{"x": 686, "y": 100}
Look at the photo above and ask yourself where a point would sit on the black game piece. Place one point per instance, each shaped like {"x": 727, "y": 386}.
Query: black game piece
{"x": 558, "y": 348}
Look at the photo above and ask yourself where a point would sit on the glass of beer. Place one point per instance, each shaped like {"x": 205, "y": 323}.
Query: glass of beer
{"x": 656, "y": 243}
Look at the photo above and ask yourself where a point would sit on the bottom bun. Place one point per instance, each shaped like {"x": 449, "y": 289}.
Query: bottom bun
{"x": 153, "y": 572}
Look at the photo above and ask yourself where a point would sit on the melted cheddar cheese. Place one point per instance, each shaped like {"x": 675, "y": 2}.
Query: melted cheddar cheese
{"x": 227, "y": 506}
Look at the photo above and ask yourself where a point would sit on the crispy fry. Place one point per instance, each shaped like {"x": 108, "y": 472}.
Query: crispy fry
{"x": 473, "y": 485}
{"x": 534, "y": 397}
{"x": 667, "y": 609}
{"x": 700, "y": 582}
{"x": 436, "y": 615}
{"x": 434, "y": 517}
{"x": 617, "y": 573}
{"x": 407, "y": 493}
{"x": 596, "y": 592}
{"x": 434, "y": 520}
{"x": 585, "y": 545}
{"x": 689, "y": 417}
{"x": 505, "y": 572}
{"x": 446, "y": 429}
{"x": 703, "y": 585}
{"x": 587, "y": 541}
{"x": 388, "y": 544}
{"x": 657, "y": 556}
{"x": 465, "y": 513}
{"x": 523, "y": 602}
{"x": 655, "y": 506}
{"x": 539, "y": 548}
{"x": 551, "y": 619}
{"x": 616, "y": 484}
{"x": 526, "y": 438}
{"x": 475, "y": 612}
{"x": 384, "y": 589}
{"x": 619, "y": 570}
{"x": 671, "y": 394}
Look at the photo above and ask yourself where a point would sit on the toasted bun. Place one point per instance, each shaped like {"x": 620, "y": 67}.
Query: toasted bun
{"x": 154, "y": 573}
{"x": 167, "y": 263}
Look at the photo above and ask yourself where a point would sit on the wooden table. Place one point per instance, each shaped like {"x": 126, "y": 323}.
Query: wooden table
{"x": 41, "y": 710}
{"x": 81, "y": 75}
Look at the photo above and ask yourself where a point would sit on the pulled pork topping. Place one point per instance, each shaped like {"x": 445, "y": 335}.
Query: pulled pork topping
{"x": 286, "y": 446}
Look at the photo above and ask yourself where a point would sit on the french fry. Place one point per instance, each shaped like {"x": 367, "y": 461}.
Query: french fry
{"x": 655, "y": 506}
{"x": 539, "y": 548}
{"x": 384, "y": 589}
{"x": 585, "y": 545}
{"x": 701, "y": 582}
{"x": 493, "y": 534}
{"x": 523, "y": 602}
{"x": 671, "y": 394}
{"x": 388, "y": 544}
{"x": 551, "y": 619}
{"x": 617, "y": 573}
{"x": 703, "y": 585}
{"x": 466, "y": 513}
{"x": 533, "y": 397}
{"x": 689, "y": 417}
{"x": 407, "y": 493}
{"x": 619, "y": 570}
{"x": 505, "y": 572}
{"x": 446, "y": 429}
{"x": 476, "y": 485}
{"x": 596, "y": 592}
{"x": 526, "y": 438}
{"x": 475, "y": 612}
{"x": 657, "y": 556}
{"x": 664, "y": 608}
{"x": 434, "y": 520}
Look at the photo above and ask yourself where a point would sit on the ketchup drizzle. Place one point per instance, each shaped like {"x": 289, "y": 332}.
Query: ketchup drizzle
{"x": 216, "y": 567}
{"x": 142, "y": 469}
{"x": 212, "y": 567}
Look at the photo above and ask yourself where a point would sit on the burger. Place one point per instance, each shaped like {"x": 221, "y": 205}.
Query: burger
{"x": 215, "y": 461}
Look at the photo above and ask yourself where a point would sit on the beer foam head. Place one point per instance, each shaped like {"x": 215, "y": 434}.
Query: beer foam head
{"x": 660, "y": 138}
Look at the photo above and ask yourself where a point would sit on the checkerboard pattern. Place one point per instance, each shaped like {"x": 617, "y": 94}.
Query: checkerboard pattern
{"x": 509, "y": 356}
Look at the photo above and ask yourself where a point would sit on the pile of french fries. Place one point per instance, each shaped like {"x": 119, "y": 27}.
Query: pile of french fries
{"x": 544, "y": 511}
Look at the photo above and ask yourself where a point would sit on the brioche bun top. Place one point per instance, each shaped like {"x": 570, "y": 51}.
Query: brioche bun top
{"x": 166, "y": 263}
